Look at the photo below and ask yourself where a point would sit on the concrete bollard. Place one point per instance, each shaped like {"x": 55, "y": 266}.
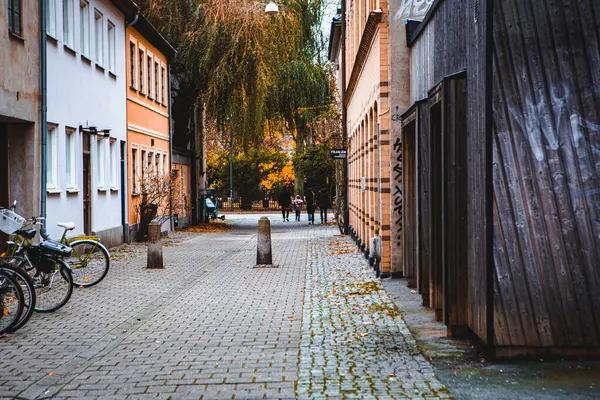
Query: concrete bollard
{"x": 263, "y": 248}
{"x": 155, "y": 254}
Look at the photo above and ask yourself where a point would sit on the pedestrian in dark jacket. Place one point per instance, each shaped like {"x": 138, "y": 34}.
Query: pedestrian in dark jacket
{"x": 324, "y": 204}
{"x": 285, "y": 202}
{"x": 309, "y": 196}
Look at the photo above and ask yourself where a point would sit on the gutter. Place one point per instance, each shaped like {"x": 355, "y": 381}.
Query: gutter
{"x": 44, "y": 117}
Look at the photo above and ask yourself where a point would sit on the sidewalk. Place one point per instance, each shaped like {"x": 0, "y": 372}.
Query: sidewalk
{"x": 211, "y": 326}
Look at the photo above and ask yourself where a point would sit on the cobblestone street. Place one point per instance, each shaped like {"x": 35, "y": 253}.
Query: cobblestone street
{"x": 211, "y": 326}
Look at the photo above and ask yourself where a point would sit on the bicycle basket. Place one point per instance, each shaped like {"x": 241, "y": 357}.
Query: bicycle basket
{"x": 10, "y": 222}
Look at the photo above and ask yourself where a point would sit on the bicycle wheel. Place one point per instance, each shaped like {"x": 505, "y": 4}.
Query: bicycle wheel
{"x": 11, "y": 302}
{"x": 53, "y": 288}
{"x": 89, "y": 262}
{"x": 29, "y": 297}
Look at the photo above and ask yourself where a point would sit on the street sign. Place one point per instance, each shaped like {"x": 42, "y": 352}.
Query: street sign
{"x": 338, "y": 154}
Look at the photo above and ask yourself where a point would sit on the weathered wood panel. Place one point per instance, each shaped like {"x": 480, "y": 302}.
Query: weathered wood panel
{"x": 409, "y": 142}
{"x": 547, "y": 172}
{"x": 455, "y": 206}
{"x": 424, "y": 212}
{"x": 478, "y": 164}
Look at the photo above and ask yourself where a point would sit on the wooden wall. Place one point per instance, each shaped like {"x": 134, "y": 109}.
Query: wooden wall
{"x": 546, "y": 172}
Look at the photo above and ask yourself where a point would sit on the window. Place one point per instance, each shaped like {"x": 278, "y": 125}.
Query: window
{"x": 70, "y": 161}
{"x": 149, "y": 73}
{"x": 135, "y": 179}
{"x": 164, "y": 86}
{"x": 143, "y": 169}
{"x": 50, "y": 18}
{"x": 14, "y": 17}
{"x": 111, "y": 47}
{"x": 84, "y": 28}
{"x": 68, "y": 22}
{"x": 165, "y": 164}
{"x": 51, "y": 159}
{"x": 132, "y": 54}
{"x": 100, "y": 156}
{"x": 159, "y": 163}
{"x": 114, "y": 164}
{"x": 150, "y": 162}
{"x": 156, "y": 80}
{"x": 99, "y": 37}
{"x": 141, "y": 63}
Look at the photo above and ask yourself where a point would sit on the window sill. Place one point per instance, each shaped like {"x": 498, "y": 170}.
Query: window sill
{"x": 133, "y": 88}
{"x": 100, "y": 68}
{"x": 72, "y": 190}
{"x": 101, "y": 189}
{"x": 53, "y": 191}
{"x": 51, "y": 39}
{"x": 16, "y": 36}
{"x": 114, "y": 188}
{"x": 112, "y": 74}
{"x": 135, "y": 194}
{"x": 86, "y": 60}
{"x": 69, "y": 50}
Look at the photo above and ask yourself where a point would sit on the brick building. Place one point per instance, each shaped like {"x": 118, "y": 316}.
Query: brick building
{"x": 367, "y": 122}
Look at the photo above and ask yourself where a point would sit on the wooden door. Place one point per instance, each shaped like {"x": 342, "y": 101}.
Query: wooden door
{"x": 87, "y": 186}
{"x": 411, "y": 231}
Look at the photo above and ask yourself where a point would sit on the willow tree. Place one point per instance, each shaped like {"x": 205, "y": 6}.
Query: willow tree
{"x": 247, "y": 68}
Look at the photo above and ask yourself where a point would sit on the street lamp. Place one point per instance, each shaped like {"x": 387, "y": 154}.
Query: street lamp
{"x": 271, "y": 8}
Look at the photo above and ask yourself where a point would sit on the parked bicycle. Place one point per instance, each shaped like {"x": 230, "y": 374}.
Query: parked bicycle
{"x": 11, "y": 302}
{"x": 29, "y": 297}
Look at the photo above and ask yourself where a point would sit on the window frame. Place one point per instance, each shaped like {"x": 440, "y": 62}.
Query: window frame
{"x": 71, "y": 140}
{"x": 135, "y": 168}
{"x": 68, "y": 23}
{"x": 133, "y": 76}
{"x": 111, "y": 38}
{"x": 84, "y": 28}
{"x": 141, "y": 56}
{"x": 114, "y": 164}
{"x": 150, "y": 70}
{"x": 157, "y": 87}
{"x": 51, "y": 19}
{"x": 98, "y": 38}
{"x": 164, "y": 83}
{"x": 52, "y": 184}
{"x": 11, "y": 17}
{"x": 100, "y": 163}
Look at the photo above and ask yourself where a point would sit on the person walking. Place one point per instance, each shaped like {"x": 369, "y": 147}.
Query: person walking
{"x": 298, "y": 207}
{"x": 324, "y": 204}
{"x": 285, "y": 201}
{"x": 309, "y": 195}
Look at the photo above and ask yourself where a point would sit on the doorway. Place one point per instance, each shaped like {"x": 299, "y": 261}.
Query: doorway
{"x": 409, "y": 141}
{"x": 87, "y": 186}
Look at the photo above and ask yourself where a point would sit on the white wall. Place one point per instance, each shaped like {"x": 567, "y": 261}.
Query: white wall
{"x": 79, "y": 93}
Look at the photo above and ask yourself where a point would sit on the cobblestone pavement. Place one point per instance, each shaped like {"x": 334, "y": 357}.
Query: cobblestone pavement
{"x": 354, "y": 342}
{"x": 209, "y": 325}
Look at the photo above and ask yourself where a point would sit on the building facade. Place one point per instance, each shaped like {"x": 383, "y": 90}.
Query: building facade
{"x": 368, "y": 123}
{"x": 148, "y": 112}
{"x": 87, "y": 122}
{"x": 20, "y": 106}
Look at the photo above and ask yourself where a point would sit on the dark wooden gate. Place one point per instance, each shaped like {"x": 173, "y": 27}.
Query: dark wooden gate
{"x": 410, "y": 193}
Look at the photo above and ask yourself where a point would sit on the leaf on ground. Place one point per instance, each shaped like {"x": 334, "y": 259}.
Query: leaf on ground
{"x": 363, "y": 334}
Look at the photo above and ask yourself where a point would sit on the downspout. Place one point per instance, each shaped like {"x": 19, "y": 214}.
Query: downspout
{"x": 44, "y": 121}
{"x": 346, "y": 209}
{"x": 124, "y": 222}
{"x": 170, "y": 144}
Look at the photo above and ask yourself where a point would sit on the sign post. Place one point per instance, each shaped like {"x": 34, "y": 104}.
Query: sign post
{"x": 338, "y": 154}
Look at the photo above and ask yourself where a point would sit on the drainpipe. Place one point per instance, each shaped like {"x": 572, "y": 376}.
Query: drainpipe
{"x": 123, "y": 192}
{"x": 44, "y": 121}
{"x": 170, "y": 144}
{"x": 346, "y": 209}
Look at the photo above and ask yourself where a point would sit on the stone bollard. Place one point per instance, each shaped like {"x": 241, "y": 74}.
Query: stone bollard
{"x": 155, "y": 254}
{"x": 263, "y": 248}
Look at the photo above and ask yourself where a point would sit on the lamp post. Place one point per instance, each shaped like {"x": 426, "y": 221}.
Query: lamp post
{"x": 271, "y": 8}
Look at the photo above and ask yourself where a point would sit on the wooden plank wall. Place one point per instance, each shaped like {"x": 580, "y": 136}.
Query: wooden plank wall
{"x": 547, "y": 172}
{"x": 478, "y": 221}
{"x": 409, "y": 142}
{"x": 423, "y": 200}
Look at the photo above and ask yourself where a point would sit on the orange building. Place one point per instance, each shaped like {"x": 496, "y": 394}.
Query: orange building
{"x": 148, "y": 118}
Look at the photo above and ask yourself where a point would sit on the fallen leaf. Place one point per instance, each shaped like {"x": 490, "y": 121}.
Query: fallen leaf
{"x": 363, "y": 334}
{"x": 413, "y": 292}
{"x": 50, "y": 373}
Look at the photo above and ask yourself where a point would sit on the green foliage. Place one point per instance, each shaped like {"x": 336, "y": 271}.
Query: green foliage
{"x": 244, "y": 66}
{"x": 315, "y": 164}
{"x": 249, "y": 170}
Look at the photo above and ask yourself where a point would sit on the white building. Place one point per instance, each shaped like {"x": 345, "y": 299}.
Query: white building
{"x": 87, "y": 90}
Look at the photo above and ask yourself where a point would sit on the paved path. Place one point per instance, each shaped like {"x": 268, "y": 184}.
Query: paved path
{"x": 209, "y": 325}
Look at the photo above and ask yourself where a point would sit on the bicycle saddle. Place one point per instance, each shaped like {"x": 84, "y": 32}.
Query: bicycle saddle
{"x": 28, "y": 233}
{"x": 67, "y": 225}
